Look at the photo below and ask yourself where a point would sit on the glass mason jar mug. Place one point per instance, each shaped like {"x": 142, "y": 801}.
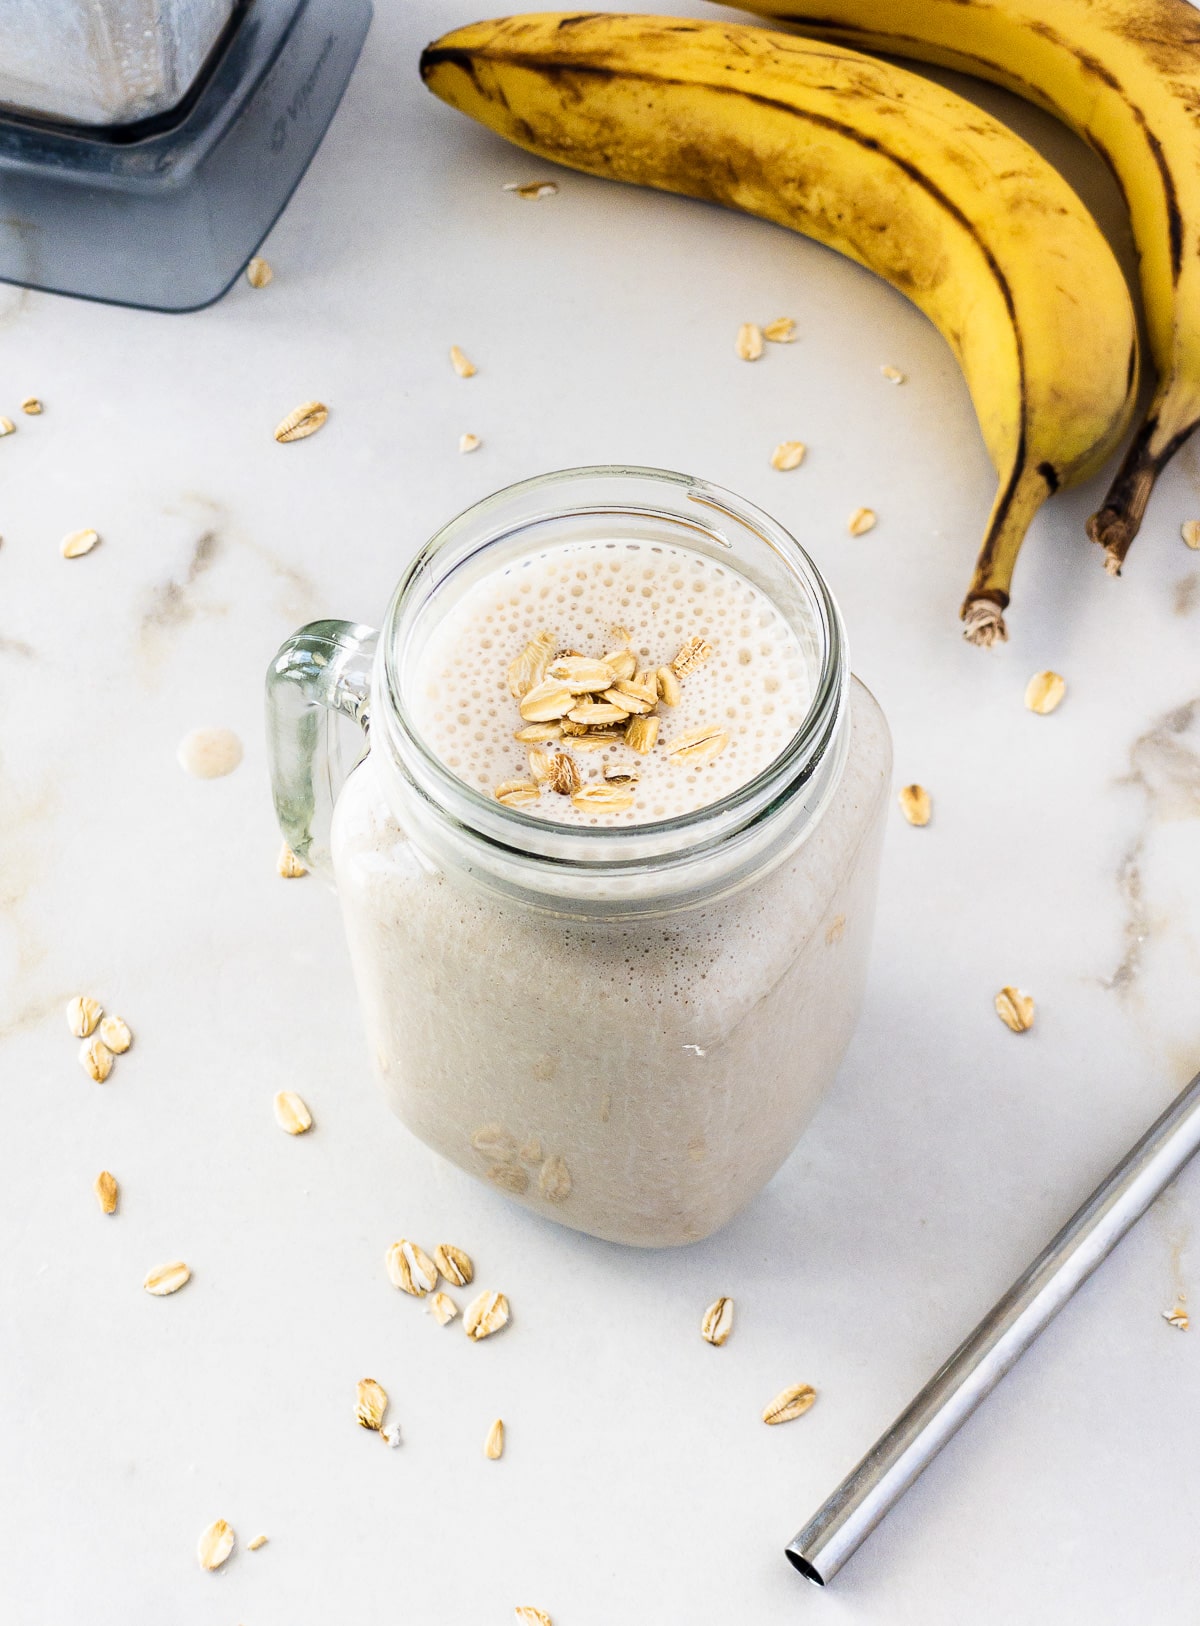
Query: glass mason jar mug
{"x": 624, "y": 1026}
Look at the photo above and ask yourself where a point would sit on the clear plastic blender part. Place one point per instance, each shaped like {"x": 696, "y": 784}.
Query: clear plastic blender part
{"x": 104, "y": 64}
{"x": 229, "y": 101}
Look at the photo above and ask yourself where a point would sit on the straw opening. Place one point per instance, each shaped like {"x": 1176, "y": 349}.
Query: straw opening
{"x": 807, "y": 1570}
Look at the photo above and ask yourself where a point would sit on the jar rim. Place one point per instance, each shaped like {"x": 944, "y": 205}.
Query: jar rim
{"x": 613, "y": 847}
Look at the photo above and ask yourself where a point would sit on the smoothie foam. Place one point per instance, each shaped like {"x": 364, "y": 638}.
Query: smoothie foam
{"x": 594, "y": 597}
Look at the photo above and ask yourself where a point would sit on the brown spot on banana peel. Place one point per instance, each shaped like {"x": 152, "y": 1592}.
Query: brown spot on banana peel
{"x": 1172, "y": 51}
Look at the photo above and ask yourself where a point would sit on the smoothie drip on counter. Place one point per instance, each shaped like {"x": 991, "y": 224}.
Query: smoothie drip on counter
{"x": 740, "y": 691}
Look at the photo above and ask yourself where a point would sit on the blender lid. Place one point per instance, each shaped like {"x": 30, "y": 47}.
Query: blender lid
{"x": 164, "y": 214}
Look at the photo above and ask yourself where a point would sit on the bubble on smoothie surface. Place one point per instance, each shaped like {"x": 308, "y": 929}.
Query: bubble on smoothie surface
{"x": 594, "y": 597}
{"x": 209, "y": 753}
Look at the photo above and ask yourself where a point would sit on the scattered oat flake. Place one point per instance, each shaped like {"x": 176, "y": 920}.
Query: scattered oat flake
{"x": 31, "y": 406}
{"x": 107, "y": 1192}
{"x": 485, "y": 1315}
{"x": 861, "y": 521}
{"x": 469, "y": 443}
{"x": 641, "y": 733}
{"x": 83, "y": 1013}
{"x": 528, "y": 669}
{"x": 116, "y": 1035}
{"x": 76, "y": 543}
{"x": 597, "y": 713}
{"x": 509, "y": 1177}
{"x": 301, "y": 423}
{"x": 690, "y": 656}
{"x": 454, "y": 1264}
{"x": 215, "y": 1545}
{"x": 581, "y": 675}
{"x": 167, "y": 1279}
{"x": 529, "y": 1616}
{"x": 781, "y": 331}
{"x": 1015, "y": 1009}
{"x": 546, "y": 702}
{"x": 788, "y": 455}
{"x": 259, "y": 272}
{"x": 790, "y": 1403}
{"x": 1177, "y": 1317}
{"x": 1044, "y": 692}
{"x": 442, "y": 1308}
{"x": 7, "y": 427}
{"x": 493, "y": 1446}
{"x": 531, "y": 189}
{"x": 1190, "y": 532}
{"x": 463, "y": 366}
{"x": 411, "y": 1269}
{"x": 717, "y": 1322}
{"x": 516, "y": 792}
{"x": 209, "y": 753}
{"x": 915, "y": 804}
{"x": 670, "y": 690}
{"x": 288, "y": 865}
{"x": 291, "y": 1114}
{"x": 698, "y": 746}
{"x": 541, "y": 764}
{"x": 493, "y": 1141}
{"x": 370, "y": 1403}
{"x": 554, "y": 1180}
{"x": 256, "y": 1543}
{"x": 750, "y": 341}
{"x": 892, "y": 374}
{"x": 563, "y": 777}
{"x": 604, "y": 798}
{"x": 96, "y": 1059}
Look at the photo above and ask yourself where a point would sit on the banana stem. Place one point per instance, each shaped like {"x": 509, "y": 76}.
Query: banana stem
{"x": 1017, "y": 501}
{"x": 983, "y": 622}
{"x": 1115, "y": 525}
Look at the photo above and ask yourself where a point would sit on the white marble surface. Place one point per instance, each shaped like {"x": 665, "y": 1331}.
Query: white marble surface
{"x": 638, "y": 1484}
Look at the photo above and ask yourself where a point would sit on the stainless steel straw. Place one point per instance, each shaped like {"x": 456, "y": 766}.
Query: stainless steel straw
{"x": 842, "y": 1524}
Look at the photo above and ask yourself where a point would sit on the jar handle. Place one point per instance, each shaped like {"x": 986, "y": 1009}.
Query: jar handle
{"x": 320, "y": 676}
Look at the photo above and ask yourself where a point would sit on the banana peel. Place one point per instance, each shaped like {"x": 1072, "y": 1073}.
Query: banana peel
{"x": 913, "y": 182}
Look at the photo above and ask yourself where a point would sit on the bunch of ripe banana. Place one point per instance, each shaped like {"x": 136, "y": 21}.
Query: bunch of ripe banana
{"x": 1125, "y": 75}
{"x": 921, "y": 187}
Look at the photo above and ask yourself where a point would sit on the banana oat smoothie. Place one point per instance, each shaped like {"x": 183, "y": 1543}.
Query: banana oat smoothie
{"x": 627, "y": 681}
{"x": 608, "y": 870}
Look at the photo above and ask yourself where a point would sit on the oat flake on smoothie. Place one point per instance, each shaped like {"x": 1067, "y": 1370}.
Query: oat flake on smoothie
{"x": 552, "y": 717}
